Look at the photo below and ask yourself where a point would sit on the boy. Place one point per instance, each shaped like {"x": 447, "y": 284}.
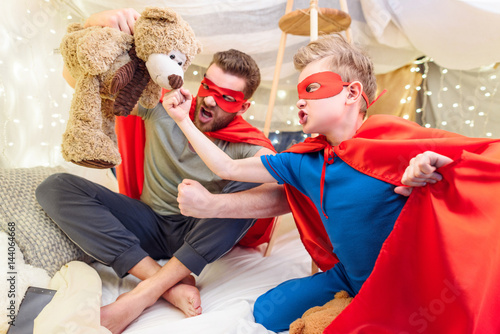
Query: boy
{"x": 346, "y": 178}
{"x": 358, "y": 211}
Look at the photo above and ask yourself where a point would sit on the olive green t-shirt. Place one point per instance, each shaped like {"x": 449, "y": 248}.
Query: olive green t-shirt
{"x": 168, "y": 159}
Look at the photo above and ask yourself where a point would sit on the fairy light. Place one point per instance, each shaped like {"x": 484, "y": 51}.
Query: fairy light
{"x": 30, "y": 76}
{"x": 281, "y": 94}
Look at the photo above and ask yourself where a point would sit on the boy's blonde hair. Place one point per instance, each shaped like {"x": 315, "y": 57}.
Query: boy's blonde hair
{"x": 345, "y": 59}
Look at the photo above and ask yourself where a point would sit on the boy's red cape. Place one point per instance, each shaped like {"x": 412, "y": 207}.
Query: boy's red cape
{"x": 130, "y": 173}
{"x": 439, "y": 269}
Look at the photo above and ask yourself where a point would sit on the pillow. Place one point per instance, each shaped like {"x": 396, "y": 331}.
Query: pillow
{"x": 41, "y": 241}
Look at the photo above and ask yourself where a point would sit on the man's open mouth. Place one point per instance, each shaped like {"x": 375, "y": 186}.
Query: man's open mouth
{"x": 205, "y": 115}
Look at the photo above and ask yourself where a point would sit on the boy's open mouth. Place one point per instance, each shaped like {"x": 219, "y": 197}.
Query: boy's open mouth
{"x": 302, "y": 117}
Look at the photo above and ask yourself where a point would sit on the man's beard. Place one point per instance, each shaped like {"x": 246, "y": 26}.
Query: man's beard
{"x": 216, "y": 123}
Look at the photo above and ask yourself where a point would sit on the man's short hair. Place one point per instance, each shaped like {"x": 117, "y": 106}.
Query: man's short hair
{"x": 241, "y": 65}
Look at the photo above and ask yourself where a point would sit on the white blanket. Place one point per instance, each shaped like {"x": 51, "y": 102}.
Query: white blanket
{"x": 228, "y": 288}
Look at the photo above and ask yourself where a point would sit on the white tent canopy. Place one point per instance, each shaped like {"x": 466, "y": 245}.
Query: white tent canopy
{"x": 457, "y": 35}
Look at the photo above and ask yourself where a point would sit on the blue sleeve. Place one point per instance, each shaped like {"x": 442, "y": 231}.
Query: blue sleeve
{"x": 284, "y": 167}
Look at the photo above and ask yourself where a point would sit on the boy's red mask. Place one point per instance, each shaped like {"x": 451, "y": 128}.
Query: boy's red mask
{"x": 330, "y": 84}
{"x": 229, "y": 100}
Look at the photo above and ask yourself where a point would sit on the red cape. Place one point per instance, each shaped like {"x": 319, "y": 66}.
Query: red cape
{"x": 438, "y": 270}
{"x": 130, "y": 173}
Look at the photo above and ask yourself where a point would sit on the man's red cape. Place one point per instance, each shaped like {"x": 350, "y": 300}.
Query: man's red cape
{"x": 130, "y": 173}
{"x": 439, "y": 269}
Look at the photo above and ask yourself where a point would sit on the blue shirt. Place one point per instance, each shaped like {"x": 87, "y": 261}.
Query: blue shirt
{"x": 361, "y": 209}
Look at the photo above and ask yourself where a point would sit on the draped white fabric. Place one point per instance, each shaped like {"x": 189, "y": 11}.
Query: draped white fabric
{"x": 458, "y": 35}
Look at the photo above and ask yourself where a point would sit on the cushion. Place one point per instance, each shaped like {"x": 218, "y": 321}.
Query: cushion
{"x": 41, "y": 241}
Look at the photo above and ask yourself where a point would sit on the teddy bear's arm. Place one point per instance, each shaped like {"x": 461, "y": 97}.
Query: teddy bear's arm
{"x": 100, "y": 47}
{"x": 151, "y": 95}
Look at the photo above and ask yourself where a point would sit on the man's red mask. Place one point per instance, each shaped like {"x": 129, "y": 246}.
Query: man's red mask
{"x": 228, "y": 100}
{"x": 330, "y": 84}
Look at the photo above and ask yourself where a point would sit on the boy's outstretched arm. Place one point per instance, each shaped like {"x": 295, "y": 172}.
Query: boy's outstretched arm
{"x": 177, "y": 104}
{"x": 422, "y": 170}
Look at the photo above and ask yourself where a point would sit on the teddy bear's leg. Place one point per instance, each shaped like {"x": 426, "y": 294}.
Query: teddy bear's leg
{"x": 108, "y": 120}
{"x": 297, "y": 327}
{"x": 84, "y": 142}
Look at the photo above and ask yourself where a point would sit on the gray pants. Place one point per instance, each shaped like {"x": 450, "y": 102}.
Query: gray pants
{"x": 119, "y": 231}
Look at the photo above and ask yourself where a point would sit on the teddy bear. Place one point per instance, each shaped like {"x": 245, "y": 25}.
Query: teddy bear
{"x": 317, "y": 318}
{"x": 113, "y": 71}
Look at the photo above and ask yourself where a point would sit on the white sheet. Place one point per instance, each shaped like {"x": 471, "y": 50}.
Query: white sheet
{"x": 228, "y": 288}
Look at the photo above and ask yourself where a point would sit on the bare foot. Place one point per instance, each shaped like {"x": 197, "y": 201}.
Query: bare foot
{"x": 185, "y": 296}
{"x": 119, "y": 314}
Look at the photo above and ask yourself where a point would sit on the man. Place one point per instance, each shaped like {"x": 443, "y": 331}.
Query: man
{"x": 128, "y": 234}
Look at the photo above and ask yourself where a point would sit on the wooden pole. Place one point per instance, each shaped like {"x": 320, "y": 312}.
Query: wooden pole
{"x": 313, "y": 18}
{"x": 276, "y": 77}
{"x": 343, "y": 7}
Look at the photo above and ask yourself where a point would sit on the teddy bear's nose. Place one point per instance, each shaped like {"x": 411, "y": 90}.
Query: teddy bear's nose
{"x": 175, "y": 81}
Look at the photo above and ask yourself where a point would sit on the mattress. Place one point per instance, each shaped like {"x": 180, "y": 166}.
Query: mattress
{"x": 228, "y": 289}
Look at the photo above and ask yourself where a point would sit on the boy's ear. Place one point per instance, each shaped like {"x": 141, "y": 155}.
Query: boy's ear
{"x": 244, "y": 108}
{"x": 355, "y": 90}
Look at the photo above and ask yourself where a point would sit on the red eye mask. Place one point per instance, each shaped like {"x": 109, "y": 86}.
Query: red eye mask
{"x": 220, "y": 95}
{"x": 330, "y": 84}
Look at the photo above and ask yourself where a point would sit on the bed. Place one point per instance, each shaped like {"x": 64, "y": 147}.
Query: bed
{"x": 228, "y": 287}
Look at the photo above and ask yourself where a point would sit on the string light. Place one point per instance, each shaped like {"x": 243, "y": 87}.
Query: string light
{"x": 30, "y": 115}
{"x": 459, "y": 109}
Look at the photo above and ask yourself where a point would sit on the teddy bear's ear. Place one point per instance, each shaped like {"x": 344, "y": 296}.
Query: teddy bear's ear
{"x": 74, "y": 27}
{"x": 199, "y": 47}
{"x": 160, "y": 14}
{"x": 100, "y": 47}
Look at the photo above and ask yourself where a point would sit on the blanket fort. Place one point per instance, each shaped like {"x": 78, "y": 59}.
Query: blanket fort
{"x": 437, "y": 272}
